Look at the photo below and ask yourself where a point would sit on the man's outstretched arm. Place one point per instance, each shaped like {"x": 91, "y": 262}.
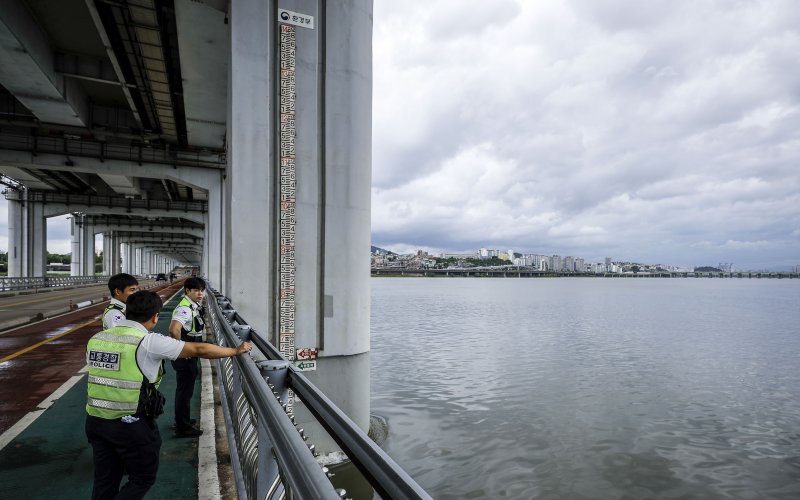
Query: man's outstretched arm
{"x": 213, "y": 351}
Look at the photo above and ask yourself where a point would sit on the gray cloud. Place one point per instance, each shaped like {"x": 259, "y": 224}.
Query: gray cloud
{"x": 666, "y": 132}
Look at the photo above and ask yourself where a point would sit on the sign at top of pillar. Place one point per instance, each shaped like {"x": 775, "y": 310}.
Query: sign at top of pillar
{"x": 295, "y": 18}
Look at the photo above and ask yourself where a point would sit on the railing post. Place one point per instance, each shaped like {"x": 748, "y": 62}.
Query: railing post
{"x": 274, "y": 373}
{"x": 244, "y": 332}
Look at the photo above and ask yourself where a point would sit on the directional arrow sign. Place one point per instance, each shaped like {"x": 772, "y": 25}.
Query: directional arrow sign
{"x": 306, "y": 366}
{"x": 306, "y": 353}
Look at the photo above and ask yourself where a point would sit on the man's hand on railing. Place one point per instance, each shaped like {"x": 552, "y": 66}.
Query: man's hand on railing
{"x": 244, "y": 347}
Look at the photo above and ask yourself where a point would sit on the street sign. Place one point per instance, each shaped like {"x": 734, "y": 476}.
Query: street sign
{"x": 306, "y": 366}
{"x": 306, "y": 353}
{"x": 295, "y": 18}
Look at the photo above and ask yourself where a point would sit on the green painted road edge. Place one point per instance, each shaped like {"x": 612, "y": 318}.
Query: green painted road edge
{"x": 51, "y": 458}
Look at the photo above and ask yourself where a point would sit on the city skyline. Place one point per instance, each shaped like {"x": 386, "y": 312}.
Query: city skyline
{"x": 529, "y": 258}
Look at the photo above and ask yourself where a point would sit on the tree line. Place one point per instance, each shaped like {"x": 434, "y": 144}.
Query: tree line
{"x": 52, "y": 258}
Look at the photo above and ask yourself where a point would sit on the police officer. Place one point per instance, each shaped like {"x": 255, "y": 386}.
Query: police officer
{"x": 126, "y": 364}
{"x": 121, "y": 286}
{"x": 187, "y": 325}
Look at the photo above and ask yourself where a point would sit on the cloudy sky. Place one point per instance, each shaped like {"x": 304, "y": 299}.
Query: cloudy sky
{"x": 654, "y": 131}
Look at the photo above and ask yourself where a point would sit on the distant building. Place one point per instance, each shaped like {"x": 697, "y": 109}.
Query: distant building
{"x": 459, "y": 255}
{"x": 488, "y": 253}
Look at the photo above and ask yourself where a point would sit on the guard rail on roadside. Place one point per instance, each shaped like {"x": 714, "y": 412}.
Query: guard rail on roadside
{"x": 269, "y": 454}
{"x": 8, "y": 284}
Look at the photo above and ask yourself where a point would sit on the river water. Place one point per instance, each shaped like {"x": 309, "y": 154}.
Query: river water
{"x": 590, "y": 388}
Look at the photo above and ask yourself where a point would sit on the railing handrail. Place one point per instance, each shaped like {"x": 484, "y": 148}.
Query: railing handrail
{"x": 383, "y": 473}
{"x": 300, "y": 472}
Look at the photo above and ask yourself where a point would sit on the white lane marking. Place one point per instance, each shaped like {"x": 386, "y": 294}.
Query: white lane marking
{"x": 23, "y": 423}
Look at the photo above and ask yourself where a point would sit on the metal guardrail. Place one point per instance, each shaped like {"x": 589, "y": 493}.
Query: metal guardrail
{"x": 8, "y": 284}
{"x": 270, "y": 456}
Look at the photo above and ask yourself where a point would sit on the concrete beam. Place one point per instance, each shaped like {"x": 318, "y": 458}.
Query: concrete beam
{"x": 194, "y": 177}
{"x": 203, "y": 46}
{"x": 86, "y": 68}
{"x": 194, "y": 242}
{"x": 122, "y": 184}
{"x": 25, "y": 178}
{"x": 29, "y": 73}
{"x": 173, "y": 230}
{"x": 112, "y": 56}
{"x": 55, "y": 209}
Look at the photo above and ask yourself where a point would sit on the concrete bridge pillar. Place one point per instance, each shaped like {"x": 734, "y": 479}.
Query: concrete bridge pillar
{"x": 75, "y": 245}
{"x": 116, "y": 266}
{"x": 87, "y": 248}
{"x": 35, "y": 238}
{"x": 15, "y": 239}
{"x": 134, "y": 259}
{"x": 211, "y": 264}
{"x": 127, "y": 259}
{"x": 121, "y": 255}
{"x": 109, "y": 249}
{"x": 107, "y": 254}
{"x": 140, "y": 260}
{"x": 298, "y": 189}
{"x": 145, "y": 261}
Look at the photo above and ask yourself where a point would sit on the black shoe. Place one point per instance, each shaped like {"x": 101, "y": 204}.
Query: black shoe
{"x": 191, "y": 421}
{"x": 191, "y": 431}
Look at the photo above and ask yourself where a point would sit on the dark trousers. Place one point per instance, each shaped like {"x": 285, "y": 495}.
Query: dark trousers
{"x": 186, "y": 371}
{"x": 119, "y": 448}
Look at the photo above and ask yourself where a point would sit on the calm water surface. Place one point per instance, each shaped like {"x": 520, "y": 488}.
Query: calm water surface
{"x": 590, "y": 388}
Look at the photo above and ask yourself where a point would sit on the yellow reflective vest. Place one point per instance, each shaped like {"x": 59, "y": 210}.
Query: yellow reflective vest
{"x": 115, "y": 379}
{"x": 195, "y": 333}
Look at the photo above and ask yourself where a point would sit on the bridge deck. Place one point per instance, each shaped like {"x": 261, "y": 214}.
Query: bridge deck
{"x": 51, "y": 458}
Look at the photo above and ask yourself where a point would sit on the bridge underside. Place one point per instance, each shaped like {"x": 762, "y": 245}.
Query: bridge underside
{"x": 206, "y": 133}
{"x": 111, "y": 108}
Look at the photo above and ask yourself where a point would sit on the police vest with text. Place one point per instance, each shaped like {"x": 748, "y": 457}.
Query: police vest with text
{"x": 195, "y": 334}
{"x": 117, "y": 387}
